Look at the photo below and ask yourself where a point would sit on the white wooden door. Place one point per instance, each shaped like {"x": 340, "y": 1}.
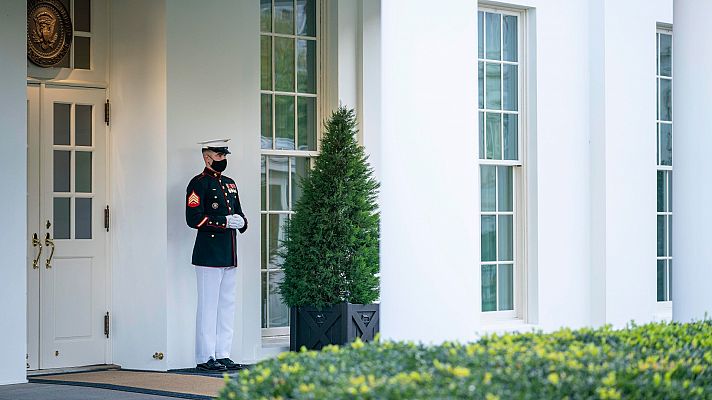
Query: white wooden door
{"x": 71, "y": 277}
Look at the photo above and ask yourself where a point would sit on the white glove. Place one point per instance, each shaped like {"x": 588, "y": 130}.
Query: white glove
{"x": 235, "y": 221}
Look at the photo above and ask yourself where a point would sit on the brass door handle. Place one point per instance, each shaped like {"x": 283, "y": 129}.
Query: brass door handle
{"x": 36, "y": 242}
{"x": 49, "y": 242}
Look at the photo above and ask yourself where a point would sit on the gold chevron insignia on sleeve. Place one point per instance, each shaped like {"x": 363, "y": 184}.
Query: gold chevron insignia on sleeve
{"x": 193, "y": 200}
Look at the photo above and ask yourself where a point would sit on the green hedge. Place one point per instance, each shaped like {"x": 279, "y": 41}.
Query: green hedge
{"x": 654, "y": 361}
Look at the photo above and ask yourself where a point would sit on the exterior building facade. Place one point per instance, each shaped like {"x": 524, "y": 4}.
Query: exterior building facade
{"x": 525, "y": 151}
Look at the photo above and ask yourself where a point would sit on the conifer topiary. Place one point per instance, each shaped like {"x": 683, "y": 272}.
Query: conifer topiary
{"x": 332, "y": 240}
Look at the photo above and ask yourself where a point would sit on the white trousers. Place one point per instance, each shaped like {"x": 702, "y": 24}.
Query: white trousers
{"x": 216, "y": 312}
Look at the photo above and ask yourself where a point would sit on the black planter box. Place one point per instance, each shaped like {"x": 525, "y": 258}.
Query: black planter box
{"x": 338, "y": 324}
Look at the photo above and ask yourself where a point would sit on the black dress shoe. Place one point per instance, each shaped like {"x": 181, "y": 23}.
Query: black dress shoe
{"x": 229, "y": 364}
{"x": 211, "y": 365}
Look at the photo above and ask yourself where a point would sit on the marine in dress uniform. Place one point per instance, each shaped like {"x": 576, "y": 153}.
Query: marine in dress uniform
{"x": 213, "y": 208}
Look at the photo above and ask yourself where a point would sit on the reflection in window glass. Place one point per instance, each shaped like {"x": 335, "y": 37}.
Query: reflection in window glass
{"x": 664, "y": 165}
{"x": 62, "y": 218}
{"x": 289, "y": 83}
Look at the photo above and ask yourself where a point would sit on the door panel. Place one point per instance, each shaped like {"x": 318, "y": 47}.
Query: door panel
{"x": 72, "y": 275}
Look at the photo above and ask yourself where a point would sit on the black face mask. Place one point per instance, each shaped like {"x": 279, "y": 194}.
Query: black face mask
{"x": 219, "y": 166}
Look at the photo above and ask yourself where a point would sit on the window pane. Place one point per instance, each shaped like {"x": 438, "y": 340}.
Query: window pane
{"x": 489, "y": 288}
{"x": 300, "y": 169}
{"x": 278, "y": 312}
{"x": 487, "y": 192}
{"x": 505, "y": 188}
{"x": 306, "y": 66}
{"x": 278, "y": 184}
{"x": 82, "y": 52}
{"x": 265, "y": 62}
{"x": 284, "y": 64}
{"x": 665, "y": 55}
{"x": 284, "y": 118}
{"x": 306, "y": 17}
{"x": 266, "y": 121}
{"x": 506, "y": 238}
{"x": 284, "y": 16}
{"x": 265, "y": 15}
{"x": 666, "y": 144}
{"x": 62, "y": 168}
{"x": 662, "y": 198}
{"x": 481, "y": 34}
{"x": 306, "y": 135}
{"x": 493, "y": 131}
{"x": 669, "y": 191}
{"x": 661, "y": 236}
{"x": 488, "y": 241}
{"x": 82, "y": 15}
{"x": 669, "y": 232}
{"x": 264, "y": 299}
{"x": 670, "y": 280}
{"x": 510, "y": 87}
{"x": 276, "y": 236}
{"x": 493, "y": 36}
{"x": 493, "y": 96}
{"x": 61, "y": 218}
{"x": 665, "y": 100}
{"x": 481, "y": 84}
{"x": 263, "y": 244}
{"x": 82, "y": 224}
{"x": 263, "y": 183}
{"x": 662, "y": 281}
{"x": 82, "y": 125}
{"x": 505, "y": 288}
{"x": 82, "y": 172}
{"x": 482, "y": 135}
{"x": 510, "y": 38}
{"x": 511, "y": 140}
{"x": 61, "y": 123}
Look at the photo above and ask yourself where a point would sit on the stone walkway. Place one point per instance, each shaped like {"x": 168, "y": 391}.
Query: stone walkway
{"x": 37, "y": 391}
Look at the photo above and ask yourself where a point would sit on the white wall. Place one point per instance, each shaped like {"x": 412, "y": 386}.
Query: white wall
{"x": 140, "y": 273}
{"x": 213, "y": 61}
{"x": 630, "y": 162}
{"x": 692, "y": 193}
{"x": 591, "y": 164}
{"x": 13, "y": 171}
{"x": 429, "y": 226}
{"x": 558, "y": 161}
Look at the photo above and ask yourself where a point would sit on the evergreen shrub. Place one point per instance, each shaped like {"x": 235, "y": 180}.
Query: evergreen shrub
{"x": 331, "y": 246}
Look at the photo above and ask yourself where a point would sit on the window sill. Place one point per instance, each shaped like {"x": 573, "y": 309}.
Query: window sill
{"x": 511, "y": 326}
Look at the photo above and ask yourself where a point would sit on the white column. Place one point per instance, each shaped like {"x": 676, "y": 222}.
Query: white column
{"x": 370, "y": 99}
{"x": 430, "y": 226}
{"x": 13, "y": 173}
{"x": 692, "y": 191}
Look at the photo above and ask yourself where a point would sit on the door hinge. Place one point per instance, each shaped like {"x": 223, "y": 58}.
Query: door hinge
{"x": 106, "y": 218}
{"x": 107, "y": 112}
{"x": 106, "y": 325}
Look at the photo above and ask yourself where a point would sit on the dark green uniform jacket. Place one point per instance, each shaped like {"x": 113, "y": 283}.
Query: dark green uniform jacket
{"x": 209, "y": 199}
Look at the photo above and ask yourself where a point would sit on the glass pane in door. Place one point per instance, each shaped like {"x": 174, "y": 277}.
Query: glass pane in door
{"x": 82, "y": 224}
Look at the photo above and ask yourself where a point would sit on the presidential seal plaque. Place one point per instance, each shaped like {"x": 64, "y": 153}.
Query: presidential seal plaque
{"x": 49, "y": 32}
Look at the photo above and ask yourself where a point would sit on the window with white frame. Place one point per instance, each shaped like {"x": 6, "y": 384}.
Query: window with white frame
{"x": 289, "y": 95}
{"x": 500, "y": 160}
{"x": 79, "y": 56}
{"x": 664, "y": 165}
